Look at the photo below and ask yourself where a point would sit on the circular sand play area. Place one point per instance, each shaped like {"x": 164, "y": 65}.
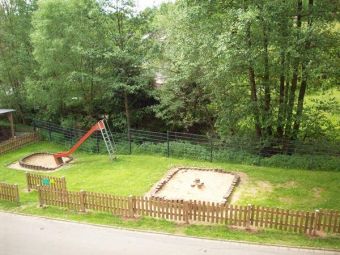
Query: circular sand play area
{"x": 42, "y": 161}
{"x": 212, "y": 185}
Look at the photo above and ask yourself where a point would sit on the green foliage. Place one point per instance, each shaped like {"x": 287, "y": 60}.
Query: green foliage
{"x": 16, "y": 61}
{"x": 216, "y": 48}
{"x": 187, "y": 150}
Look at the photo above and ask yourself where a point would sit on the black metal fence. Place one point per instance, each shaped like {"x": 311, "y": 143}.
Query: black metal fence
{"x": 185, "y": 144}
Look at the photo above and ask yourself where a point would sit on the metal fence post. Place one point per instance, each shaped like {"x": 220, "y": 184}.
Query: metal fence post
{"x": 49, "y": 132}
{"x": 168, "y": 143}
{"x": 129, "y": 138}
{"x": 211, "y": 150}
{"x": 98, "y": 149}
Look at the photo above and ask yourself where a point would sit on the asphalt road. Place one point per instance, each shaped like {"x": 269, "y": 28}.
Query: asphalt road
{"x": 26, "y": 235}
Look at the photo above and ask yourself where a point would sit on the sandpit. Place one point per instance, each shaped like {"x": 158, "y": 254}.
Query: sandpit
{"x": 211, "y": 185}
{"x": 40, "y": 161}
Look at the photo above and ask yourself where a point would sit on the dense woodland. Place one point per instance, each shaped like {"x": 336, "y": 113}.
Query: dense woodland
{"x": 230, "y": 68}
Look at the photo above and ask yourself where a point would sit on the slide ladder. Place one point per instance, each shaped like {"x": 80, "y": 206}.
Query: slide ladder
{"x": 108, "y": 140}
{"x": 101, "y": 126}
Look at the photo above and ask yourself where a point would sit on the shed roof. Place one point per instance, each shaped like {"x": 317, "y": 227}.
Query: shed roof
{"x": 5, "y": 111}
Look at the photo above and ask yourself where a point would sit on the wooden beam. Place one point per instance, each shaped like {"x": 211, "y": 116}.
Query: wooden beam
{"x": 10, "y": 118}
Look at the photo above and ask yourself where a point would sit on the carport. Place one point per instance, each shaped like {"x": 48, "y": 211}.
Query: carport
{"x": 9, "y": 114}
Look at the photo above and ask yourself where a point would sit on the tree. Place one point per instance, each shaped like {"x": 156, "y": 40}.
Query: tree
{"x": 16, "y": 60}
{"x": 69, "y": 48}
{"x": 256, "y": 60}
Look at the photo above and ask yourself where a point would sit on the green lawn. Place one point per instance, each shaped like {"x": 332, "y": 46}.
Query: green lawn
{"x": 135, "y": 174}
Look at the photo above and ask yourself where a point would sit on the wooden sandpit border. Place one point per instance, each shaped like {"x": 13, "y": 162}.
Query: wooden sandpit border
{"x": 36, "y": 167}
{"x": 157, "y": 187}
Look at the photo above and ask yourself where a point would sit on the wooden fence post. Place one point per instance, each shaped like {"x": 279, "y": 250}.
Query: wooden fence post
{"x": 131, "y": 206}
{"x": 82, "y": 200}
{"x": 17, "y": 199}
{"x": 41, "y": 204}
{"x": 28, "y": 182}
{"x": 249, "y": 216}
{"x": 63, "y": 184}
{"x": 186, "y": 209}
{"x": 316, "y": 222}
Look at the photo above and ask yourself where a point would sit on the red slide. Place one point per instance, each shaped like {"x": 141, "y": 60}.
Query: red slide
{"x": 58, "y": 156}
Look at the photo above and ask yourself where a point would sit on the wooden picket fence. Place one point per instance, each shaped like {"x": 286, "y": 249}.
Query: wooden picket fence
{"x": 35, "y": 180}
{"x": 9, "y": 192}
{"x": 195, "y": 211}
{"x": 15, "y": 143}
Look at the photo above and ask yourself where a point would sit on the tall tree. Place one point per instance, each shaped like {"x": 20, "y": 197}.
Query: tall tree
{"x": 16, "y": 60}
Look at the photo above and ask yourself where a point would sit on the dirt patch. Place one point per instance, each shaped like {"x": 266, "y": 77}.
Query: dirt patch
{"x": 317, "y": 192}
{"x": 264, "y": 186}
{"x": 290, "y": 184}
{"x": 248, "y": 189}
{"x": 213, "y": 185}
{"x": 244, "y": 179}
{"x": 286, "y": 200}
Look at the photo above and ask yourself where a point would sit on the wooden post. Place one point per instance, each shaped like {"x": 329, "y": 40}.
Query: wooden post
{"x": 41, "y": 204}
{"x": 63, "y": 180}
{"x": 28, "y": 182}
{"x": 10, "y": 118}
{"x": 131, "y": 206}
{"x": 249, "y": 220}
{"x": 82, "y": 201}
{"x": 186, "y": 209}
{"x": 316, "y": 222}
{"x": 168, "y": 143}
{"x": 34, "y": 126}
{"x": 17, "y": 199}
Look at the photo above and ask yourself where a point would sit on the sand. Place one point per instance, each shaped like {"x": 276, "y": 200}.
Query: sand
{"x": 215, "y": 186}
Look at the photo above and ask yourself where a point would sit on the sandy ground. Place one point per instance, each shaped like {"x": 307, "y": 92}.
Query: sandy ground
{"x": 37, "y": 160}
{"x": 179, "y": 186}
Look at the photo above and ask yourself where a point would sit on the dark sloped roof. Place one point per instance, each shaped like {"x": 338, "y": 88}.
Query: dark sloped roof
{"x": 4, "y": 111}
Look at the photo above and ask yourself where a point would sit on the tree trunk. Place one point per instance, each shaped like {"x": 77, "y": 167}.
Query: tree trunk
{"x": 266, "y": 82}
{"x": 304, "y": 77}
{"x": 293, "y": 87}
{"x": 253, "y": 93}
{"x": 280, "y": 116}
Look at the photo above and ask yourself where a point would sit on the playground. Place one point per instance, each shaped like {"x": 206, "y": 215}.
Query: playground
{"x": 162, "y": 178}
{"x": 137, "y": 174}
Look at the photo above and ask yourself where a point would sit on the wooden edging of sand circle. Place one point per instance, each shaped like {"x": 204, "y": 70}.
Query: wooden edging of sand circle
{"x": 174, "y": 171}
{"x": 37, "y": 167}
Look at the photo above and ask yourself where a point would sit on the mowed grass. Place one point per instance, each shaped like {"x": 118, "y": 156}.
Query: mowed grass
{"x": 136, "y": 174}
